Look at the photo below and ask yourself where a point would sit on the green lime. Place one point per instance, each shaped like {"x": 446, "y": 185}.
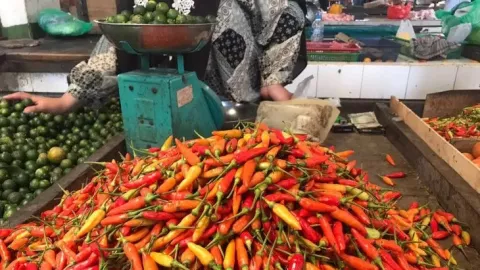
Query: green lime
{"x": 8, "y": 213}
{"x": 42, "y": 130}
{"x": 5, "y": 193}
{"x": 4, "y": 104}
{"x": 170, "y": 21}
{"x": 24, "y": 202}
{"x": 31, "y": 166}
{"x": 172, "y": 14}
{"x": 14, "y": 198}
{"x": 58, "y": 119}
{"x": 72, "y": 156}
{"x": 57, "y": 170}
{"x": 139, "y": 10}
{"x": 38, "y": 191}
{"x": 148, "y": 17}
{"x": 126, "y": 13}
{"x": 67, "y": 170}
{"x": 163, "y": 7}
{"x": 42, "y": 148}
{"x": 4, "y": 175}
{"x": 41, "y": 173}
{"x": 27, "y": 102}
{"x": 81, "y": 160}
{"x": 83, "y": 143}
{"x": 4, "y": 122}
{"x": 5, "y": 148}
{"x": 44, "y": 184}
{"x": 40, "y": 140}
{"x": 6, "y": 157}
{"x": 29, "y": 196}
{"x": 66, "y": 163}
{"x": 9, "y": 184}
{"x": 42, "y": 159}
{"x": 18, "y": 155}
{"x": 23, "y": 129}
{"x": 190, "y": 19}
{"x": 56, "y": 155}
{"x": 4, "y": 112}
{"x": 110, "y": 19}
{"x": 120, "y": 18}
{"x": 22, "y": 179}
{"x": 181, "y": 19}
{"x": 34, "y": 184}
{"x": 151, "y": 5}
{"x": 17, "y": 163}
{"x": 54, "y": 178}
{"x": 138, "y": 19}
{"x": 19, "y": 107}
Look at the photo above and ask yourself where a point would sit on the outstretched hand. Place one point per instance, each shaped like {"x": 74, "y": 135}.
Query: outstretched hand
{"x": 276, "y": 92}
{"x": 41, "y": 104}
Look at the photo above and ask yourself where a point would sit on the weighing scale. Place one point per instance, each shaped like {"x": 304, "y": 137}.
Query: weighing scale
{"x": 159, "y": 102}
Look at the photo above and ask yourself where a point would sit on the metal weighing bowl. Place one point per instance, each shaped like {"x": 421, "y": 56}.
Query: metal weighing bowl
{"x": 238, "y": 112}
{"x": 157, "y": 38}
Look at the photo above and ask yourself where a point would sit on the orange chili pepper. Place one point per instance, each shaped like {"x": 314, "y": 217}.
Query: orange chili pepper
{"x": 230, "y": 253}
{"x": 242, "y": 255}
{"x": 217, "y": 254}
{"x": 191, "y": 158}
{"x": 390, "y": 160}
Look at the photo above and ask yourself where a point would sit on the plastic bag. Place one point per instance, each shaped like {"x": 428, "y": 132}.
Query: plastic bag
{"x": 405, "y": 31}
{"x": 58, "y": 23}
{"x": 399, "y": 12}
{"x": 463, "y": 13}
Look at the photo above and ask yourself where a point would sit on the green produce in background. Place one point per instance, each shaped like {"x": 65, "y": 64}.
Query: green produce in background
{"x": 156, "y": 13}
{"x": 36, "y": 150}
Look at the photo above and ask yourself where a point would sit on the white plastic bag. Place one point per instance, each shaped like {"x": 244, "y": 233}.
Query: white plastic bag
{"x": 459, "y": 33}
{"x": 405, "y": 31}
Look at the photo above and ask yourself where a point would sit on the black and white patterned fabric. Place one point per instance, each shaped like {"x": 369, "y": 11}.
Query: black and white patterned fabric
{"x": 255, "y": 44}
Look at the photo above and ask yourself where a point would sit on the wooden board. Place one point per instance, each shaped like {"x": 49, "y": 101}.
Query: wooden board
{"x": 449, "y": 103}
{"x": 101, "y": 9}
{"x": 464, "y": 167}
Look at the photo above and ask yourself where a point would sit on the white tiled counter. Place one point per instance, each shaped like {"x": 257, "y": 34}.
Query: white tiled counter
{"x": 405, "y": 79}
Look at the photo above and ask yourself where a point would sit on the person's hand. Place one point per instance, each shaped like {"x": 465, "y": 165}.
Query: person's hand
{"x": 41, "y": 104}
{"x": 276, "y": 92}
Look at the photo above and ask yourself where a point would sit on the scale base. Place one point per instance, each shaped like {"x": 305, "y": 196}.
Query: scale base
{"x": 157, "y": 103}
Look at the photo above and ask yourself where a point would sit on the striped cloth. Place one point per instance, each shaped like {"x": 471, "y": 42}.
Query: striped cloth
{"x": 429, "y": 47}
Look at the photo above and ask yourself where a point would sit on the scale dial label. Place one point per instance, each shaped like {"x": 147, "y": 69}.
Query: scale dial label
{"x": 184, "y": 96}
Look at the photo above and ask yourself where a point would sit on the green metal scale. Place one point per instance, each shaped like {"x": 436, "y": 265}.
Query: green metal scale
{"x": 158, "y": 102}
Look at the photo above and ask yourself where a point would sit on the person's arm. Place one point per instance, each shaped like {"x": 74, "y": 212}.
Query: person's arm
{"x": 89, "y": 83}
{"x": 281, "y": 41}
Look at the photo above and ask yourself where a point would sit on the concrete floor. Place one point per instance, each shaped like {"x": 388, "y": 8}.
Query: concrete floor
{"x": 370, "y": 151}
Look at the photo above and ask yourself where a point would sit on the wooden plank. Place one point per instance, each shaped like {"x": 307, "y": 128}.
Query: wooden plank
{"x": 449, "y": 103}
{"x": 464, "y": 167}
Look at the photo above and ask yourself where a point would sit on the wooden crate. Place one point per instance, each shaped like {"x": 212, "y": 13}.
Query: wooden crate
{"x": 451, "y": 155}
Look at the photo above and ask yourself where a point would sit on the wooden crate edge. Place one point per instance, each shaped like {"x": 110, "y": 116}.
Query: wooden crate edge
{"x": 454, "y": 158}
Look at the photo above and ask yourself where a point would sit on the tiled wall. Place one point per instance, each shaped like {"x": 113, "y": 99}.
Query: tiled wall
{"x": 380, "y": 81}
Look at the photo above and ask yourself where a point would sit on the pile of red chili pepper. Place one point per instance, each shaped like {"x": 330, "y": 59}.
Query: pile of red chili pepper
{"x": 255, "y": 198}
{"x": 464, "y": 125}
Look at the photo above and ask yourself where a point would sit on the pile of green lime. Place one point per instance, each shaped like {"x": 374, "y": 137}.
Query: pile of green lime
{"x": 157, "y": 13}
{"x": 36, "y": 150}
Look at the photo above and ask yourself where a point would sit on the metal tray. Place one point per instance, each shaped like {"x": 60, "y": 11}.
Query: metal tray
{"x": 157, "y": 38}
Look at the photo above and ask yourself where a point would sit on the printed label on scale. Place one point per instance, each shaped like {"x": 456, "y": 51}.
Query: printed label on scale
{"x": 184, "y": 96}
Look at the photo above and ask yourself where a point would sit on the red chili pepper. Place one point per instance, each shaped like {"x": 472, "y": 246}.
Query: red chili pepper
{"x": 92, "y": 259}
{"x": 390, "y": 228}
{"x": 134, "y": 204}
{"x": 439, "y": 235}
{"x": 433, "y": 225}
{"x": 285, "y": 184}
{"x": 244, "y": 156}
{"x": 339, "y": 236}
{"x": 296, "y": 262}
{"x": 442, "y": 221}
{"x": 316, "y": 206}
{"x": 450, "y": 217}
{"x": 311, "y": 162}
{"x": 396, "y": 175}
{"x": 357, "y": 263}
{"x": 146, "y": 180}
{"x": 329, "y": 200}
{"x": 307, "y": 230}
{"x": 277, "y": 197}
{"x": 347, "y": 182}
{"x": 281, "y": 138}
{"x": 158, "y": 216}
{"x": 391, "y": 195}
{"x": 304, "y": 213}
{"x": 232, "y": 145}
{"x": 88, "y": 189}
{"x": 5, "y": 232}
{"x": 119, "y": 202}
{"x": 388, "y": 260}
{"x": 327, "y": 231}
{"x": 457, "y": 229}
{"x": 247, "y": 239}
{"x": 388, "y": 245}
{"x": 367, "y": 248}
{"x": 361, "y": 215}
{"x": 324, "y": 179}
{"x": 83, "y": 255}
{"x": 201, "y": 149}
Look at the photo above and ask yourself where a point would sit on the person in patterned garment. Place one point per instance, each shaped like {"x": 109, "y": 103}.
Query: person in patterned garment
{"x": 257, "y": 48}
